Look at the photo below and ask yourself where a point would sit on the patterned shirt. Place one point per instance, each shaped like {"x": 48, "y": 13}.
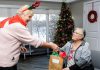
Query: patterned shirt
{"x": 71, "y": 58}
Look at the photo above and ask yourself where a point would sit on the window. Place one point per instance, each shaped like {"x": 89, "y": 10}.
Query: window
{"x": 39, "y": 26}
{"x": 53, "y": 18}
{"x": 43, "y": 25}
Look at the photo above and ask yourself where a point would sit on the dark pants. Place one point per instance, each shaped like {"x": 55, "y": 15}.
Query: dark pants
{"x": 9, "y": 68}
{"x": 90, "y": 67}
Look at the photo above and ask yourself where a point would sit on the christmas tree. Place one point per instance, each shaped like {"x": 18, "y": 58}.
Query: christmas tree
{"x": 65, "y": 26}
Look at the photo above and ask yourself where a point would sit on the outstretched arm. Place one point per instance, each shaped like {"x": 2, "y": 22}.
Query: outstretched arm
{"x": 50, "y": 45}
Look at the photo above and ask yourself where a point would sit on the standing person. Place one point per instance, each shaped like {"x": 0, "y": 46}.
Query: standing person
{"x": 13, "y": 33}
{"x": 78, "y": 52}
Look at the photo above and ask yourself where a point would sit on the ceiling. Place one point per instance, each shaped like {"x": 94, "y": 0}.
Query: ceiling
{"x": 68, "y": 1}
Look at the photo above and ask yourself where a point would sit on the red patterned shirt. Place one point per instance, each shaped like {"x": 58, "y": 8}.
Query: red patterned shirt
{"x": 71, "y": 58}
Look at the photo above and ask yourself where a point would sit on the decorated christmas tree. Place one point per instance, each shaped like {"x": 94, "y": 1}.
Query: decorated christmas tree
{"x": 65, "y": 26}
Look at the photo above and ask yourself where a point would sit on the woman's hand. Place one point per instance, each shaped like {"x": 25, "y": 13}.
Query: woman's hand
{"x": 66, "y": 69}
{"x": 23, "y": 49}
{"x": 51, "y": 45}
{"x": 54, "y": 46}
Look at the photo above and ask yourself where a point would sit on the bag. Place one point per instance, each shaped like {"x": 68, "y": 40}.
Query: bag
{"x": 55, "y": 62}
{"x": 64, "y": 62}
{"x": 64, "y": 56}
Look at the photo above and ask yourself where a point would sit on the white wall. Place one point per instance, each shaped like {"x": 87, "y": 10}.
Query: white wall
{"x": 77, "y": 13}
{"x": 43, "y": 5}
{"x": 76, "y": 8}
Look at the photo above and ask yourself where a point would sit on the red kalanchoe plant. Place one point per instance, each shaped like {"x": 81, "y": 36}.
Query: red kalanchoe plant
{"x": 62, "y": 54}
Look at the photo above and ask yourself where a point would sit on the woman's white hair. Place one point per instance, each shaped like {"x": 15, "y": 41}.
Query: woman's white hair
{"x": 24, "y": 9}
{"x": 80, "y": 29}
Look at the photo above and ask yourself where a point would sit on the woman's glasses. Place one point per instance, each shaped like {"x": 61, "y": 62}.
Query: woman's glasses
{"x": 78, "y": 33}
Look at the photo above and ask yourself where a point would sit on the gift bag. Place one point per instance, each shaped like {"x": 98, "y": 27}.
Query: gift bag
{"x": 55, "y": 62}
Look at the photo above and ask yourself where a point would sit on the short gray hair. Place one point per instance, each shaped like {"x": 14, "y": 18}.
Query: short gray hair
{"x": 83, "y": 30}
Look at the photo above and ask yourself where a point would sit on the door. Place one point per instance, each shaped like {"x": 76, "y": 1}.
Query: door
{"x": 93, "y": 31}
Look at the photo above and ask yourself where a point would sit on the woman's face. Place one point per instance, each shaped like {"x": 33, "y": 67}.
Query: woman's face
{"x": 27, "y": 15}
{"x": 77, "y": 34}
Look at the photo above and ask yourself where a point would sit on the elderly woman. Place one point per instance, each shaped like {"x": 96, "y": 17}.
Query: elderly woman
{"x": 78, "y": 52}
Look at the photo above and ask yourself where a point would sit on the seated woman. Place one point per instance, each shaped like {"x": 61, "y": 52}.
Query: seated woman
{"x": 78, "y": 52}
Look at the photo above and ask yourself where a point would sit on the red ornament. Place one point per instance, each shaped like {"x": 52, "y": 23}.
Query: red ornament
{"x": 62, "y": 39}
{"x": 34, "y": 5}
{"x": 62, "y": 54}
{"x": 92, "y": 16}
